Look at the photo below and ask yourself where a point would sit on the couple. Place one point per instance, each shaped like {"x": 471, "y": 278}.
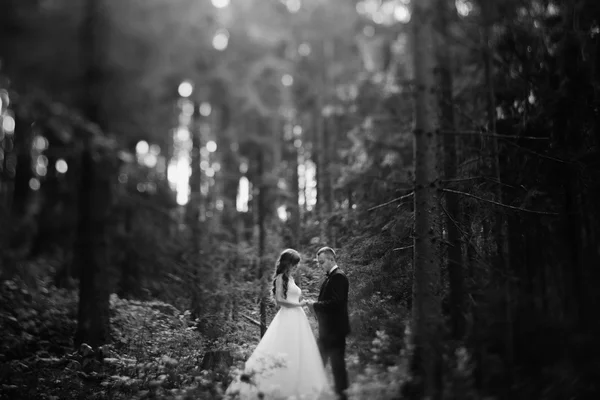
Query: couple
{"x": 288, "y": 362}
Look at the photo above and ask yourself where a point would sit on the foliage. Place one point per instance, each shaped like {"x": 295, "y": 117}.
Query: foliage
{"x": 543, "y": 292}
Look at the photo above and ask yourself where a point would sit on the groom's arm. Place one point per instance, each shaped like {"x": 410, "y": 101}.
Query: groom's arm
{"x": 339, "y": 295}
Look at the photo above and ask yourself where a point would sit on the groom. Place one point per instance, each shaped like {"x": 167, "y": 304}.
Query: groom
{"x": 331, "y": 310}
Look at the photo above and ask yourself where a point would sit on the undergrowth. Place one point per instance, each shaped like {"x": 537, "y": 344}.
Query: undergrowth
{"x": 156, "y": 352}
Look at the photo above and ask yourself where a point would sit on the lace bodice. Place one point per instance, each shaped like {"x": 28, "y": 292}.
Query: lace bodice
{"x": 293, "y": 291}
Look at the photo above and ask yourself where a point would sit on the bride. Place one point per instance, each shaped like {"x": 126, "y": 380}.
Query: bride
{"x": 286, "y": 363}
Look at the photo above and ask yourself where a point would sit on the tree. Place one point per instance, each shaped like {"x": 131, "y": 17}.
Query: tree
{"x": 452, "y": 211}
{"x": 95, "y": 197}
{"x": 426, "y": 316}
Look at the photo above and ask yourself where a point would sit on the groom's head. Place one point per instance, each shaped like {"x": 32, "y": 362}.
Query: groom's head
{"x": 326, "y": 258}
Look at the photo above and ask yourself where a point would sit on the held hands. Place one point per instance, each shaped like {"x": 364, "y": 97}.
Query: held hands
{"x": 308, "y": 303}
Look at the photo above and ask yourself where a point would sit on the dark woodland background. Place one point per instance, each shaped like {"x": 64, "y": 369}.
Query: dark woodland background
{"x": 449, "y": 152}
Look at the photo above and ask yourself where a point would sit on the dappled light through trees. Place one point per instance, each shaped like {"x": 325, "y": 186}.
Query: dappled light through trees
{"x": 156, "y": 158}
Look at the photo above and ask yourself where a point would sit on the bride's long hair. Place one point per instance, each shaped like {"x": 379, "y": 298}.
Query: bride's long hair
{"x": 287, "y": 259}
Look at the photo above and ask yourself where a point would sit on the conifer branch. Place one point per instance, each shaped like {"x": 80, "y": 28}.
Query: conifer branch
{"x": 499, "y": 204}
{"x": 492, "y": 134}
{"x": 406, "y": 196}
{"x": 404, "y": 248}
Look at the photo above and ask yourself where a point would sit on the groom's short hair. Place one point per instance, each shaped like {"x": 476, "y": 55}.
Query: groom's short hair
{"x": 327, "y": 250}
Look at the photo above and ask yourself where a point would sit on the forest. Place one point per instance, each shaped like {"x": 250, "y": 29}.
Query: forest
{"x": 156, "y": 156}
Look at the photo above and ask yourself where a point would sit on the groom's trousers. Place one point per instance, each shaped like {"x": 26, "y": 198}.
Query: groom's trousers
{"x": 336, "y": 351}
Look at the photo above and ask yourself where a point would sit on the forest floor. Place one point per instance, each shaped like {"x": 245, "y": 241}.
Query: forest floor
{"x": 155, "y": 352}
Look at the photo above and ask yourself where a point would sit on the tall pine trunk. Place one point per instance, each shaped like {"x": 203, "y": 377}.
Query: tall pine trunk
{"x": 296, "y": 221}
{"x": 194, "y": 210}
{"x": 426, "y": 313}
{"x": 499, "y": 229}
{"x": 195, "y": 202}
{"x": 95, "y": 191}
{"x": 448, "y": 125}
{"x": 262, "y": 233}
{"x": 319, "y": 153}
{"x": 330, "y": 142}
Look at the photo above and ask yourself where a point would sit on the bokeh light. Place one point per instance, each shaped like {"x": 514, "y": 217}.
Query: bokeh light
{"x": 220, "y": 3}
{"x": 304, "y": 49}
{"x": 243, "y": 195}
{"x": 211, "y": 146}
{"x": 4, "y": 100}
{"x": 293, "y": 6}
{"x": 205, "y": 109}
{"x": 187, "y": 108}
{"x": 40, "y": 143}
{"x": 155, "y": 149}
{"x": 287, "y": 80}
{"x": 282, "y": 213}
{"x": 402, "y": 13}
{"x": 8, "y": 124}
{"x": 463, "y": 7}
{"x": 41, "y": 170}
{"x": 61, "y": 166}
{"x": 181, "y": 176}
{"x": 42, "y": 161}
{"x": 142, "y": 147}
{"x": 182, "y": 134}
{"x": 150, "y": 160}
{"x": 34, "y": 184}
{"x": 185, "y": 89}
{"x": 221, "y": 39}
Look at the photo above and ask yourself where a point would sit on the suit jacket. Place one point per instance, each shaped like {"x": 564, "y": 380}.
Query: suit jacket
{"x": 331, "y": 308}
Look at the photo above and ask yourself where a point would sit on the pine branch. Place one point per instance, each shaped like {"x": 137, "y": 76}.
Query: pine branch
{"x": 465, "y": 238}
{"x": 558, "y": 160}
{"x": 404, "y": 248}
{"x": 499, "y": 204}
{"x": 488, "y": 178}
{"x": 470, "y": 178}
{"x": 406, "y": 196}
{"x": 496, "y": 135}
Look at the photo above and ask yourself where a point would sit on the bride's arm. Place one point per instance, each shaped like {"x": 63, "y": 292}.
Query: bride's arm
{"x": 279, "y": 296}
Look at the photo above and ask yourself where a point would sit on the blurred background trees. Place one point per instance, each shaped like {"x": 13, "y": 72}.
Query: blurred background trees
{"x": 170, "y": 149}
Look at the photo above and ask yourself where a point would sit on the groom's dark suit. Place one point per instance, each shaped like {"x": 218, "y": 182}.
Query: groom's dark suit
{"x": 331, "y": 310}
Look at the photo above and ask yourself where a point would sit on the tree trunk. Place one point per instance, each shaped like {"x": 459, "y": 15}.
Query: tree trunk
{"x": 330, "y": 140}
{"x": 262, "y": 275}
{"x": 426, "y": 363}
{"x": 95, "y": 192}
{"x": 500, "y": 226}
{"x": 320, "y": 174}
{"x": 194, "y": 211}
{"x": 296, "y": 221}
{"x": 130, "y": 272}
{"x": 194, "y": 204}
{"x": 93, "y": 323}
{"x": 23, "y": 141}
{"x": 455, "y": 268}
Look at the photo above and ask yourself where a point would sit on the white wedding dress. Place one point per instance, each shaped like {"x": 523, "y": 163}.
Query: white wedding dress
{"x": 286, "y": 364}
